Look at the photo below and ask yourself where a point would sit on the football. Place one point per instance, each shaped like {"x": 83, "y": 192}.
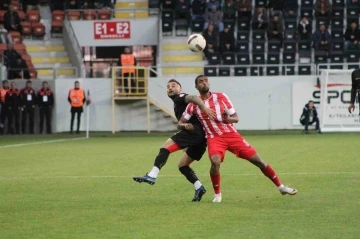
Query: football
{"x": 196, "y": 43}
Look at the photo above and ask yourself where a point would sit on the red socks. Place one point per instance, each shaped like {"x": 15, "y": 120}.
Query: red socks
{"x": 215, "y": 179}
{"x": 270, "y": 173}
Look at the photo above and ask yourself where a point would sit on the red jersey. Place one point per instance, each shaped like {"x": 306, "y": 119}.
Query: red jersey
{"x": 220, "y": 103}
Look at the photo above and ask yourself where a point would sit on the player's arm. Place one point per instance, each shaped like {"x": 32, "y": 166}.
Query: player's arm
{"x": 230, "y": 119}
{"x": 229, "y": 115}
{"x": 351, "y": 108}
{"x": 197, "y": 101}
{"x": 184, "y": 121}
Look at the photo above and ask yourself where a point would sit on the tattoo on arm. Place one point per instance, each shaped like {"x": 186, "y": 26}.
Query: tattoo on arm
{"x": 194, "y": 99}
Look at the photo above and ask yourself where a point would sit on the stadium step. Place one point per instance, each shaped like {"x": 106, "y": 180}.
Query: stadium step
{"x": 52, "y": 42}
{"x": 175, "y": 47}
{"x": 50, "y": 72}
{"x": 132, "y": 14}
{"x": 44, "y": 60}
{"x": 51, "y": 48}
{"x": 131, "y": 5}
{"x": 182, "y": 58}
{"x": 182, "y": 70}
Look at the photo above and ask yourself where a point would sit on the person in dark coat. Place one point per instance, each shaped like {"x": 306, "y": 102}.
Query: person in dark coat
{"x": 226, "y": 40}
{"x": 352, "y": 36}
{"x": 304, "y": 29}
{"x": 212, "y": 40}
{"x": 309, "y": 116}
{"x": 12, "y": 20}
{"x": 28, "y": 98}
{"x": 13, "y": 105}
{"x": 18, "y": 70}
{"x": 290, "y": 8}
{"x": 45, "y": 99}
{"x": 322, "y": 39}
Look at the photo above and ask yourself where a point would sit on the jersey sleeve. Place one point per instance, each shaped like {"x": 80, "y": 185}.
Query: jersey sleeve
{"x": 189, "y": 111}
{"x": 229, "y": 108}
{"x": 180, "y": 99}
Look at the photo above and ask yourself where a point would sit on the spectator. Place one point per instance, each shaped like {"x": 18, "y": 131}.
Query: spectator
{"x": 276, "y": 7}
{"x": 28, "y": 96}
{"x": 182, "y": 10}
{"x": 259, "y": 19}
{"x": 353, "y": 3}
{"x": 352, "y": 36}
{"x": 89, "y": 4}
{"x": 13, "y": 105}
{"x": 10, "y": 55}
{"x": 322, "y": 9}
{"x": 244, "y": 9}
{"x": 45, "y": 101}
{"x": 198, "y": 9}
{"x": 106, "y": 4}
{"x": 322, "y": 39}
{"x": 304, "y": 29}
{"x": 214, "y": 17}
{"x": 12, "y": 20}
{"x": 18, "y": 70}
{"x": 309, "y": 116}
{"x": 57, "y": 5}
{"x": 4, "y": 5}
{"x": 29, "y": 5}
{"x": 226, "y": 41}
{"x": 4, "y": 36}
{"x": 290, "y": 8}
{"x": 128, "y": 63}
{"x": 213, "y": 3}
{"x": 168, "y": 4}
{"x": 229, "y": 9}
{"x": 73, "y": 5}
{"x": 212, "y": 40}
{"x": 275, "y": 29}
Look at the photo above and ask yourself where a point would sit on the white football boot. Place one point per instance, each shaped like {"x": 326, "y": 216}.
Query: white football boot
{"x": 287, "y": 190}
{"x": 217, "y": 198}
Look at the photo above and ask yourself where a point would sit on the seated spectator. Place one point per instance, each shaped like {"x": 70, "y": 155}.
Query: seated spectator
{"x": 309, "y": 116}
{"x": 226, "y": 41}
{"x": 10, "y": 55}
{"x": 322, "y": 9}
{"x": 12, "y": 20}
{"x": 353, "y": 3}
{"x": 168, "y": 4}
{"x": 4, "y": 4}
{"x": 244, "y": 9}
{"x": 198, "y": 8}
{"x": 214, "y": 17}
{"x": 290, "y": 8}
{"x": 29, "y": 5}
{"x": 229, "y": 10}
{"x": 352, "y": 36}
{"x": 101, "y": 4}
{"x": 322, "y": 39}
{"x": 18, "y": 70}
{"x": 259, "y": 19}
{"x": 213, "y": 3}
{"x": 57, "y": 5}
{"x": 182, "y": 10}
{"x": 304, "y": 29}
{"x": 73, "y": 5}
{"x": 4, "y": 36}
{"x": 89, "y": 4}
{"x": 276, "y": 7}
{"x": 212, "y": 40}
{"x": 275, "y": 29}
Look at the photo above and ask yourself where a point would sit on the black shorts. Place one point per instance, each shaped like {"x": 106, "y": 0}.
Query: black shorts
{"x": 194, "y": 141}
{"x": 76, "y": 109}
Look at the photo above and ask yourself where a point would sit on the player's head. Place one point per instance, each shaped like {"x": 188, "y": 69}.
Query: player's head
{"x": 202, "y": 84}
{"x": 13, "y": 85}
{"x": 311, "y": 104}
{"x": 28, "y": 84}
{"x": 77, "y": 84}
{"x": 173, "y": 88}
{"x": 5, "y": 84}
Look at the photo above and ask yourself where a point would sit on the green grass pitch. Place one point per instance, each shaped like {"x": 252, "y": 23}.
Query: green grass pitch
{"x": 84, "y": 189}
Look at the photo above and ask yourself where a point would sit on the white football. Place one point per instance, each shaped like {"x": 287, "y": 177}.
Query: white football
{"x": 196, "y": 43}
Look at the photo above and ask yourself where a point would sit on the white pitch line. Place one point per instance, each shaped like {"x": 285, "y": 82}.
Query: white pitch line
{"x": 172, "y": 176}
{"x": 39, "y": 142}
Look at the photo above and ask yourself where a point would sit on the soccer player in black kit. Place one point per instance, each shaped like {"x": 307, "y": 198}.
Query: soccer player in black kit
{"x": 192, "y": 139}
{"x": 355, "y": 89}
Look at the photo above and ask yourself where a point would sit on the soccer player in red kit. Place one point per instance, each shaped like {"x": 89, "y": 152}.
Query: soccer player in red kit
{"x": 222, "y": 136}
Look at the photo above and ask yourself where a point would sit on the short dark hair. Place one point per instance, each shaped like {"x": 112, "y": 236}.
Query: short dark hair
{"x": 5, "y": 81}
{"x": 310, "y": 101}
{"x": 44, "y": 82}
{"x": 29, "y": 81}
{"x": 196, "y": 79}
{"x": 174, "y": 81}
{"x": 77, "y": 82}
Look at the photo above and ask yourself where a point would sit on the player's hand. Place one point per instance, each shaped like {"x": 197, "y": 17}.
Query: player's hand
{"x": 189, "y": 127}
{"x": 351, "y": 108}
{"x": 225, "y": 118}
{"x": 210, "y": 112}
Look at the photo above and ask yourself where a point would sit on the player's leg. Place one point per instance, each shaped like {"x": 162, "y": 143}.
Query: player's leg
{"x": 216, "y": 147}
{"x": 193, "y": 153}
{"x": 242, "y": 149}
{"x": 317, "y": 125}
{"x": 72, "y": 119}
{"x": 169, "y": 147}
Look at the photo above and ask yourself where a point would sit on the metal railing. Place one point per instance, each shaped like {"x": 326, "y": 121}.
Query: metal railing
{"x": 53, "y": 73}
{"x": 337, "y": 66}
{"x": 130, "y": 13}
{"x": 130, "y": 84}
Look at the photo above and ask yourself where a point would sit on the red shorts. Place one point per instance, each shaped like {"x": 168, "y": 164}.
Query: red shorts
{"x": 233, "y": 142}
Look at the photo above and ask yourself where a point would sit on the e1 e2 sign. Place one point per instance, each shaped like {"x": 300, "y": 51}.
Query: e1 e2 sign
{"x": 112, "y": 30}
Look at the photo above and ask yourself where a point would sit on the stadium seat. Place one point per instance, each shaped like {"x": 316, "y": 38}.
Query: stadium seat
{"x": 26, "y": 58}
{"x": 20, "y": 48}
{"x": 307, "y": 3}
{"x": 258, "y": 46}
{"x": 16, "y": 37}
{"x": 337, "y": 33}
{"x": 243, "y": 24}
{"x": 167, "y": 27}
{"x": 338, "y": 45}
{"x": 22, "y": 15}
{"x": 197, "y": 25}
{"x": 305, "y": 55}
{"x": 89, "y": 15}
{"x": 240, "y": 71}
{"x": 290, "y": 45}
{"x": 337, "y": 13}
{"x": 3, "y": 47}
{"x": 243, "y": 35}
{"x": 273, "y": 58}
{"x": 353, "y": 56}
{"x": 322, "y": 21}
{"x": 243, "y": 58}
{"x": 38, "y": 29}
{"x": 26, "y": 29}
{"x": 230, "y": 24}
{"x": 321, "y": 57}
{"x": 228, "y": 58}
{"x": 16, "y": 6}
{"x": 33, "y": 15}
{"x": 56, "y": 26}
{"x": 289, "y": 57}
{"x": 288, "y": 70}
{"x": 337, "y": 57}
{"x": 210, "y": 71}
{"x": 167, "y": 15}
{"x": 353, "y": 66}
{"x": 338, "y": 3}
{"x": 256, "y": 71}
{"x": 154, "y": 4}
{"x": 214, "y": 58}
{"x": 352, "y": 14}
{"x": 242, "y": 46}
{"x": 291, "y": 24}
{"x": 258, "y": 35}
{"x": 104, "y": 14}
{"x": 274, "y": 45}
{"x": 272, "y": 71}
{"x": 73, "y": 15}
{"x": 307, "y": 12}
{"x": 304, "y": 45}
{"x": 337, "y": 23}
{"x": 290, "y": 35}
{"x": 260, "y": 3}
{"x": 2, "y": 13}
{"x": 181, "y": 27}
{"x": 304, "y": 70}
{"x": 258, "y": 58}
{"x": 224, "y": 71}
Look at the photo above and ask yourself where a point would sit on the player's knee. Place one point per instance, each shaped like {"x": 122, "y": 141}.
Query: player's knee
{"x": 215, "y": 160}
{"x": 164, "y": 152}
{"x": 257, "y": 161}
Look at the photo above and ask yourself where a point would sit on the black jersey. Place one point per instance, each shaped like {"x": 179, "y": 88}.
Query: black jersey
{"x": 355, "y": 85}
{"x": 180, "y": 106}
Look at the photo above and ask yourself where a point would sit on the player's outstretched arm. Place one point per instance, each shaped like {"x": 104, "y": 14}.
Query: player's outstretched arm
{"x": 230, "y": 119}
{"x": 184, "y": 124}
{"x": 197, "y": 101}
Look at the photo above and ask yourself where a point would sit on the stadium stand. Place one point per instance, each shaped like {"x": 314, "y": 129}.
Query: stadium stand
{"x": 304, "y": 31}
